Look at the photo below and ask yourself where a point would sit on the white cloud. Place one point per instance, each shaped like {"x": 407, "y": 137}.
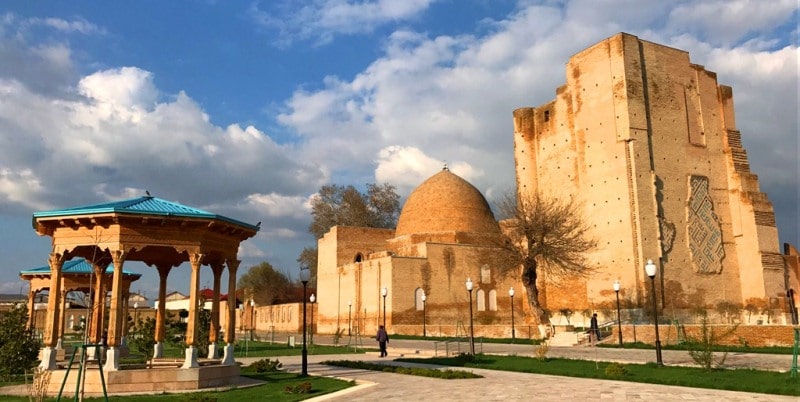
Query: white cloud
{"x": 325, "y": 19}
{"x": 726, "y": 22}
{"x": 277, "y": 205}
{"x": 122, "y": 88}
{"x": 78, "y": 25}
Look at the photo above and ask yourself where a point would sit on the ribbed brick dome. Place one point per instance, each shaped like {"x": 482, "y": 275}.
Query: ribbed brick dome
{"x": 446, "y": 203}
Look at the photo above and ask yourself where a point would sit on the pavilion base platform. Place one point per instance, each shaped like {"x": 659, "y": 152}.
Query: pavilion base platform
{"x": 164, "y": 377}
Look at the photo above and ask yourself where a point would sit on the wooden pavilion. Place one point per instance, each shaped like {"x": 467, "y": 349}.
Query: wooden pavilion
{"x": 160, "y": 233}
{"x": 76, "y": 275}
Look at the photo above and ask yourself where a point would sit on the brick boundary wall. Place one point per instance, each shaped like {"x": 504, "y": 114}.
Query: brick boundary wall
{"x": 743, "y": 335}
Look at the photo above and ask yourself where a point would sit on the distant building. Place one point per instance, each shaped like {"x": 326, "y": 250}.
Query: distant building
{"x": 443, "y": 237}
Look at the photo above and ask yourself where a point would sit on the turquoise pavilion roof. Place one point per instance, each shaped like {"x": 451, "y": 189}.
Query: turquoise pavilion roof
{"x": 78, "y": 266}
{"x": 146, "y": 205}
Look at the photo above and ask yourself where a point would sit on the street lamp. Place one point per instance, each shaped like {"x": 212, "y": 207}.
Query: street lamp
{"x": 305, "y": 275}
{"x": 244, "y": 328}
{"x": 135, "y": 314}
{"x": 619, "y": 319}
{"x": 312, "y": 299}
{"x": 252, "y": 317}
{"x": 511, "y": 295}
{"x": 384, "y": 292}
{"x": 349, "y": 310}
{"x": 471, "y": 329}
{"x": 424, "y": 333}
{"x": 650, "y": 268}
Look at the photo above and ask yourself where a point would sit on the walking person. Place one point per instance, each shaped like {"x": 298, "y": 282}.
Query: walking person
{"x": 594, "y": 329}
{"x": 383, "y": 338}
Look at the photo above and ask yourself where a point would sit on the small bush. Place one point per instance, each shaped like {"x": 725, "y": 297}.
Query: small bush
{"x": 302, "y": 388}
{"x": 266, "y": 366}
{"x": 540, "y": 353}
{"x": 616, "y": 370}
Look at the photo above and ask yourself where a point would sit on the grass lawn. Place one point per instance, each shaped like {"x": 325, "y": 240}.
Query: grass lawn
{"x": 766, "y": 382}
{"x": 274, "y": 390}
{"x": 255, "y": 349}
{"x": 265, "y": 349}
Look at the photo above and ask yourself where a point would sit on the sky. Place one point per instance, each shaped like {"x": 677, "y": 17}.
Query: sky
{"x": 246, "y": 108}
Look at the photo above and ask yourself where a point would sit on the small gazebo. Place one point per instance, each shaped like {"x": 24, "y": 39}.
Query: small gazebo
{"x": 76, "y": 275}
{"x": 160, "y": 233}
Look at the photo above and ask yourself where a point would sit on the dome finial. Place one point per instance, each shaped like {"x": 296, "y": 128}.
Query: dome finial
{"x": 445, "y": 167}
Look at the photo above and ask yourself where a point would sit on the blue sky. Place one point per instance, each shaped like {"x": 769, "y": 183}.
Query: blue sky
{"x": 246, "y": 108}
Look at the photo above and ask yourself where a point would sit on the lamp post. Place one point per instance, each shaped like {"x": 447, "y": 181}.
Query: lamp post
{"x": 305, "y": 275}
{"x": 252, "y": 317}
{"x": 513, "y": 332}
{"x": 424, "y": 333}
{"x": 244, "y": 328}
{"x": 650, "y": 268}
{"x": 471, "y": 329}
{"x": 135, "y": 314}
{"x": 312, "y": 299}
{"x": 349, "y": 310}
{"x": 619, "y": 319}
{"x": 384, "y": 292}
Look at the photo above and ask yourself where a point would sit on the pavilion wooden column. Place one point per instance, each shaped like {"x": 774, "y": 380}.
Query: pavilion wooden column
{"x": 230, "y": 327}
{"x": 195, "y": 259}
{"x": 161, "y": 329}
{"x": 51, "y": 324}
{"x": 97, "y": 318}
{"x": 115, "y": 327}
{"x": 213, "y": 333}
{"x": 62, "y": 316}
{"x": 31, "y": 309}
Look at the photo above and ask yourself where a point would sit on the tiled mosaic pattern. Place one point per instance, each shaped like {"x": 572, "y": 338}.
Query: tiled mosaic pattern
{"x": 704, "y": 232}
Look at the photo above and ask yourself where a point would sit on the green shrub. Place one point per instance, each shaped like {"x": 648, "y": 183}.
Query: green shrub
{"x": 418, "y": 371}
{"x": 616, "y": 370}
{"x": 302, "y": 388}
{"x": 19, "y": 347}
{"x": 266, "y": 365}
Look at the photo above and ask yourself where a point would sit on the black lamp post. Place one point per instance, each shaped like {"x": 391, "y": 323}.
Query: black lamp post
{"x": 423, "y": 314}
{"x": 312, "y": 299}
{"x": 619, "y": 318}
{"x": 471, "y": 328}
{"x": 305, "y": 275}
{"x": 513, "y": 332}
{"x": 135, "y": 314}
{"x": 650, "y": 268}
{"x": 252, "y": 317}
{"x": 349, "y": 310}
{"x": 384, "y": 292}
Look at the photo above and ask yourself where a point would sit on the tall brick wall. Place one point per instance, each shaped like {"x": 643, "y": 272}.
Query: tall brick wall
{"x": 647, "y": 142}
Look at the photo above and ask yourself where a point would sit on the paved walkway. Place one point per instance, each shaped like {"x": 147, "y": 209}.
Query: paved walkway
{"x": 509, "y": 386}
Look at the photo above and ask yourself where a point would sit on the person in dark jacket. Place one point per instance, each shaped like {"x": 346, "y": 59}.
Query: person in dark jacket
{"x": 383, "y": 338}
{"x": 594, "y": 329}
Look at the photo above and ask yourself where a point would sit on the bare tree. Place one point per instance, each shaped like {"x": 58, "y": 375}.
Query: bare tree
{"x": 336, "y": 205}
{"x": 543, "y": 236}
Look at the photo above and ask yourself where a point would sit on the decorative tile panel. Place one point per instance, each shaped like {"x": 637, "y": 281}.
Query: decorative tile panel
{"x": 704, "y": 232}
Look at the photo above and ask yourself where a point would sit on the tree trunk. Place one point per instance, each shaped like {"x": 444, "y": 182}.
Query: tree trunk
{"x": 529, "y": 280}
